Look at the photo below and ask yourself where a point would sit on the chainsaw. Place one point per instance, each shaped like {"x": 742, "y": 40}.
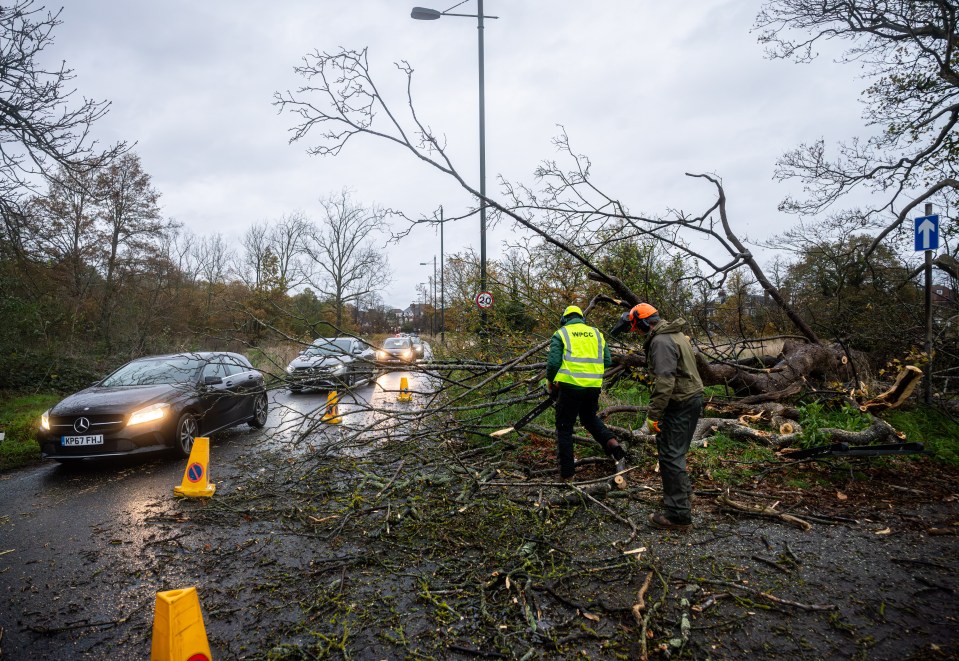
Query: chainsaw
{"x": 846, "y": 450}
{"x": 531, "y": 415}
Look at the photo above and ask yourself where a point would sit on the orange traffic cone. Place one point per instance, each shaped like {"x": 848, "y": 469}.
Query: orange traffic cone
{"x": 196, "y": 477}
{"x": 332, "y": 415}
{"x": 178, "y": 631}
{"x": 405, "y": 394}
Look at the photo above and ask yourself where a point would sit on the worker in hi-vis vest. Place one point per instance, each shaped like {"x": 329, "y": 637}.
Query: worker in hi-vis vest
{"x": 578, "y": 356}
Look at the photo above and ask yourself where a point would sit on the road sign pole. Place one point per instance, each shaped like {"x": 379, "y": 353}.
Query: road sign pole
{"x": 927, "y": 387}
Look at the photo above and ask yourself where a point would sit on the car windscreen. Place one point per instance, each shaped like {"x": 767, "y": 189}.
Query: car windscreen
{"x": 396, "y": 343}
{"x": 329, "y": 348}
{"x": 153, "y": 371}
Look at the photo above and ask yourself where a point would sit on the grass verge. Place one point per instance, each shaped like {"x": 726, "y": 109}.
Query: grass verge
{"x": 19, "y": 416}
{"x": 929, "y": 426}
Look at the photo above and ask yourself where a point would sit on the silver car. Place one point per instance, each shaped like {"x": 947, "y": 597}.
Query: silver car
{"x": 330, "y": 363}
{"x": 396, "y": 350}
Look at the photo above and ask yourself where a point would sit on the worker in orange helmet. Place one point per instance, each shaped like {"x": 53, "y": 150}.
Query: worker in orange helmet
{"x": 675, "y": 404}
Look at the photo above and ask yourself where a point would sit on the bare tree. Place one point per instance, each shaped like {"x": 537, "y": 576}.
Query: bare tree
{"x": 40, "y": 125}
{"x": 131, "y": 222}
{"x": 908, "y": 50}
{"x": 344, "y": 263}
{"x": 67, "y": 231}
{"x": 284, "y": 240}
{"x": 568, "y": 211}
{"x": 252, "y": 257}
{"x": 288, "y": 238}
{"x": 66, "y": 236}
{"x": 213, "y": 257}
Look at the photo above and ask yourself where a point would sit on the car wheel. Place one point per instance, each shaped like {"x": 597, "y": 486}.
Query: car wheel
{"x": 261, "y": 409}
{"x": 186, "y": 430}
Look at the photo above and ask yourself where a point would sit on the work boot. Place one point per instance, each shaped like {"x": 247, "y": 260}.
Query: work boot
{"x": 666, "y": 522}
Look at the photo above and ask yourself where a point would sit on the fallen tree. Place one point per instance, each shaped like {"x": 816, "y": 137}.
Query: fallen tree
{"x": 574, "y": 218}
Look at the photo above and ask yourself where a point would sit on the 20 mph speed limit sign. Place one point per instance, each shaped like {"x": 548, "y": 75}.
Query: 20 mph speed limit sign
{"x": 484, "y": 300}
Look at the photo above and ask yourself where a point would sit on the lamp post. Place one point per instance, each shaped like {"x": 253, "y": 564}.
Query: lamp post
{"x": 442, "y": 287}
{"x": 424, "y": 288}
{"x": 425, "y": 14}
{"x": 433, "y": 312}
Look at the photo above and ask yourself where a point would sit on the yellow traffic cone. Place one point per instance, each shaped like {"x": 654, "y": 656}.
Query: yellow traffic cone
{"x": 332, "y": 415}
{"x": 196, "y": 477}
{"x": 178, "y": 631}
{"x": 405, "y": 394}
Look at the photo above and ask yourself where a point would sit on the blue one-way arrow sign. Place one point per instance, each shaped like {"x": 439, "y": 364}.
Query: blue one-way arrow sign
{"x": 927, "y": 233}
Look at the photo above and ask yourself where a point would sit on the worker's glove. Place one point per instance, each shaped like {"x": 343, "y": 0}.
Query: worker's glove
{"x": 553, "y": 388}
{"x": 650, "y": 427}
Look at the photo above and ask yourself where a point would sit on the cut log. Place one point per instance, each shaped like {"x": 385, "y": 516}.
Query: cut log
{"x": 879, "y": 431}
{"x": 770, "y": 410}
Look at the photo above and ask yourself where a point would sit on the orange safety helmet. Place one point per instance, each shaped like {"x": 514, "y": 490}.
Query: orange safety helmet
{"x": 641, "y": 315}
{"x": 636, "y": 319}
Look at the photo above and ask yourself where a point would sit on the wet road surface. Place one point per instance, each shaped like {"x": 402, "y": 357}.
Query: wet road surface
{"x": 64, "y": 529}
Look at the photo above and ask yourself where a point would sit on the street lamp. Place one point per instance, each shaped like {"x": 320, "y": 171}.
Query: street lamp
{"x": 442, "y": 287}
{"x": 425, "y": 14}
{"x": 423, "y": 288}
{"x": 433, "y": 314}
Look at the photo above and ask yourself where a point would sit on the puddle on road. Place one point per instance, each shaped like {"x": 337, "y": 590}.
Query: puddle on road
{"x": 368, "y": 414}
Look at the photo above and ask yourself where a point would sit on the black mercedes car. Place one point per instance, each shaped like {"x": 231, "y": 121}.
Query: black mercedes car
{"x": 153, "y": 403}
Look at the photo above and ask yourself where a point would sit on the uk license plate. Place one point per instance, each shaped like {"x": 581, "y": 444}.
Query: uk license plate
{"x": 90, "y": 439}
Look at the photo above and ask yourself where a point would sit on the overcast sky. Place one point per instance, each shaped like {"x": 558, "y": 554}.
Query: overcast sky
{"x": 648, "y": 90}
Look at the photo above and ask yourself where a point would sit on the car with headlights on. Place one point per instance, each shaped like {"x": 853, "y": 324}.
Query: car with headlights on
{"x": 330, "y": 363}
{"x": 396, "y": 350}
{"x": 156, "y": 403}
{"x": 419, "y": 348}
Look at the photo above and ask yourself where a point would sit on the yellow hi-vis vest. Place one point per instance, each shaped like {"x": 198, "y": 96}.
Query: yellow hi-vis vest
{"x": 582, "y": 356}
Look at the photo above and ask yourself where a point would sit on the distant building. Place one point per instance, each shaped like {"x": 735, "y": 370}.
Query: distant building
{"x": 748, "y": 303}
{"x": 414, "y": 313}
{"x": 942, "y": 295}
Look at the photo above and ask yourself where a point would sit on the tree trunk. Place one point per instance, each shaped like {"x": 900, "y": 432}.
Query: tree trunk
{"x": 798, "y": 363}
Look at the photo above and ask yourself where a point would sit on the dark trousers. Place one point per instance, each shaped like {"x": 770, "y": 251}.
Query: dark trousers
{"x": 678, "y": 426}
{"x": 572, "y": 402}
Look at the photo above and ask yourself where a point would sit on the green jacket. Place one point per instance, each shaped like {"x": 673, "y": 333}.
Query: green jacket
{"x": 672, "y": 362}
{"x": 555, "y": 358}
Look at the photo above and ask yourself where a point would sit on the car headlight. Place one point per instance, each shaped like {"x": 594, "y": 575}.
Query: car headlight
{"x": 407, "y": 354}
{"x": 289, "y": 369}
{"x": 45, "y": 420}
{"x": 148, "y": 414}
{"x": 381, "y": 355}
{"x": 339, "y": 369}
